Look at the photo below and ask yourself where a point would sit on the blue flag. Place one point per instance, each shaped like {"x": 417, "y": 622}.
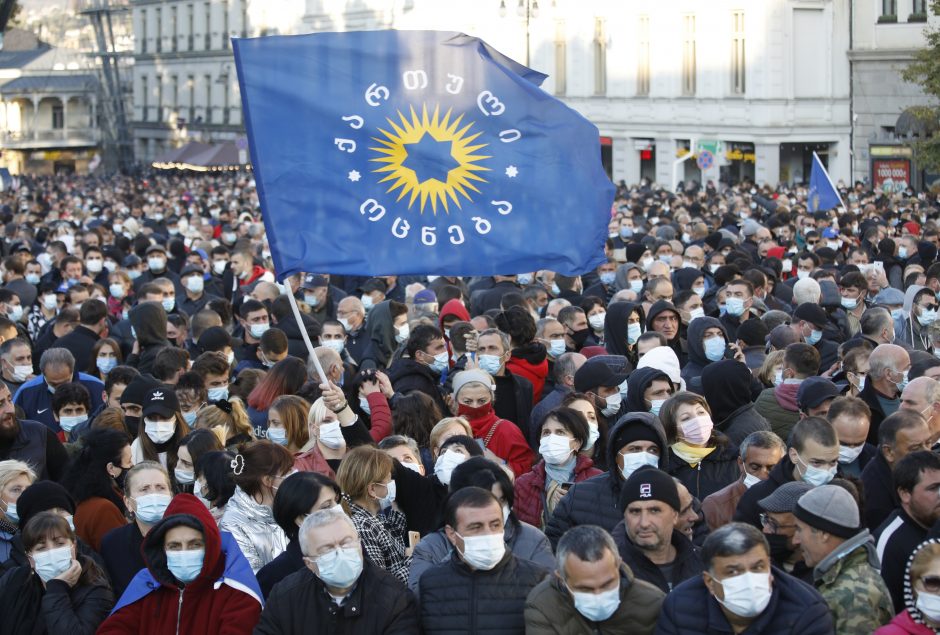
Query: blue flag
{"x": 412, "y": 152}
{"x": 822, "y": 193}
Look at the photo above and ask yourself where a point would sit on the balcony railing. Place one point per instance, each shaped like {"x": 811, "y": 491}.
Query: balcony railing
{"x": 50, "y": 138}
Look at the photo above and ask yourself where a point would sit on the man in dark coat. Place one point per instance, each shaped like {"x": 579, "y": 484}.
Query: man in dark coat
{"x": 92, "y": 326}
{"x": 728, "y": 386}
{"x": 421, "y": 370}
{"x": 338, "y": 591}
{"x": 741, "y": 591}
{"x": 647, "y": 538}
{"x": 484, "y": 586}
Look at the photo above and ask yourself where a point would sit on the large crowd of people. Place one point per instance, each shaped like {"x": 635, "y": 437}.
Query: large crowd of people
{"x": 731, "y": 425}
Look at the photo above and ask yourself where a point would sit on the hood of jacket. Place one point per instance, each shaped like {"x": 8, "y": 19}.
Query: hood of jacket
{"x": 666, "y": 360}
{"x": 685, "y": 277}
{"x": 658, "y": 307}
{"x": 862, "y": 540}
{"x": 637, "y": 383}
{"x": 532, "y": 355}
{"x": 909, "y": 295}
{"x": 908, "y": 592}
{"x": 615, "y": 325}
{"x": 381, "y": 330}
{"x": 616, "y": 432}
{"x": 695, "y": 332}
{"x": 620, "y": 278}
{"x": 189, "y": 511}
{"x": 727, "y": 386}
{"x": 149, "y": 322}
{"x": 453, "y": 307}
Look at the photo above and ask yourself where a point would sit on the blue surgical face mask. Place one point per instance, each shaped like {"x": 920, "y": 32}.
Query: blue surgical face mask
{"x": 897, "y": 314}
{"x": 364, "y": 404}
{"x": 439, "y": 365}
{"x": 734, "y": 306}
{"x": 524, "y": 279}
{"x": 257, "y": 330}
{"x": 636, "y": 286}
{"x": 219, "y": 393}
{"x": 633, "y": 333}
{"x": 168, "y": 304}
{"x": 814, "y": 337}
{"x": 105, "y": 364}
{"x": 715, "y": 348}
{"x": 185, "y": 565}
{"x": 655, "y": 405}
{"x": 150, "y": 508}
{"x": 608, "y": 277}
{"x": 489, "y": 363}
{"x": 69, "y": 423}
{"x": 311, "y": 299}
{"x": 626, "y": 232}
{"x": 278, "y": 435}
{"x": 556, "y": 348}
{"x": 189, "y": 418}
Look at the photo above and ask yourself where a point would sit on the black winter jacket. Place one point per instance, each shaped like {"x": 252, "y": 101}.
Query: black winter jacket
{"x": 687, "y": 564}
{"x": 716, "y": 471}
{"x": 407, "y": 376}
{"x": 795, "y": 608}
{"x": 289, "y": 561}
{"x": 123, "y": 558}
{"x": 595, "y": 501}
{"x": 748, "y": 510}
{"x": 378, "y": 605}
{"x": 457, "y": 599}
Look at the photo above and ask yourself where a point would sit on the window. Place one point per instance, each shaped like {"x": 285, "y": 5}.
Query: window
{"x": 208, "y": 35}
{"x": 561, "y": 59}
{"x": 143, "y": 30}
{"x": 159, "y": 35}
{"x": 190, "y": 26}
{"x": 600, "y": 57}
{"x": 737, "y": 53}
{"x": 920, "y": 6}
{"x": 174, "y": 27}
{"x": 688, "y": 55}
{"x": 144, "y": 99}
{"x": 191, "y": 87}
{"x": 208, "y": 80}
{"x": 175, "y": 94}
{"x": 890, "y": 7}
{"x": 225, "y": 106}
{"x": 225, "y": 25}
{"x": 159, "y": 98}
{"x": 244, "y": 18}
{"x": 643, "y": 57}
{"x": 58, "y": 117}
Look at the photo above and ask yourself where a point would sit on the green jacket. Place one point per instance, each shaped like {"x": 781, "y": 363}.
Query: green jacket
{"x": 780, "y": 419}
{"x": 850, "y": 582}
{"x": 549, "y": 609}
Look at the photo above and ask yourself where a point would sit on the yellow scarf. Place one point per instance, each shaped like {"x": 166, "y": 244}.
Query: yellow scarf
{"x": 689, "y": 453}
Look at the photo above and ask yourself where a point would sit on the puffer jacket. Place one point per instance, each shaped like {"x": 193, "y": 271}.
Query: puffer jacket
{"x": 716, "y": 471}
{"x": 550, "y": 609}
{"x": 594, "y": 501}
{"x": 795, "y": 608}
{"x": 457, "y": 599}
{"x": 741, "y": 423}
{"x": 904, "y": 624}
{"x": 253, "y": 526}
{"x": 777, "y": 413}
{"x": 524, "y": 541}
{"x": 529, "y": 500}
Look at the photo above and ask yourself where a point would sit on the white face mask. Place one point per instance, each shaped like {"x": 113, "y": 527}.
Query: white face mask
{"x": 848, "y": 454}
{"x": 445, "y": 464}
{"x": 597, "y": 321}
{"x": 747, "y": 594}
{"x": 555, "y": 449}
{"x": 632, "y": 461}
{"x": 483, "y": 552}
{"x": 593, "y": 435}
{"x": 597, "y": 607}
{"x": 52, "y": 562}
{"x": 613, "y": 405}
{"x": 331, "y": 436}
{"x": 750, "y": 480}
{"x": 160, "y": 431}
{"x": 929, "y": 605}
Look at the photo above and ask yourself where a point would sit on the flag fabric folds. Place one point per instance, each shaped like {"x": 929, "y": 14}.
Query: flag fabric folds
{"x": 822, "y": 193}
{"x": 410, "y": 152}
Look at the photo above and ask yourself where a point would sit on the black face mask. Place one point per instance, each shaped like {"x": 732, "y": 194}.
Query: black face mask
{"x": 580, "y": 336}
{"x": 132, "y": 424}
{"x": 120, "y": 478}
{"x": 779, "y": 551}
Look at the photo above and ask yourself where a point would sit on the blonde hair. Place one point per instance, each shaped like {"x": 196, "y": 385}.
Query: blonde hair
{"x": 212, "y": 416}
{"x": 766, "y": 372}
{"x": 921, "y": 560}
{"x": 317, "y": 411}
{"x": 360, "y": 468}
{"x": 142, "y": 467}
{"x": 434, "y": 438}
{"x": 13, "y": 469}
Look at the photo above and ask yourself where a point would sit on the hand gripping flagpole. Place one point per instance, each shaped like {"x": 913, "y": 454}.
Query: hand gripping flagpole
{"x": 305, "y": 335}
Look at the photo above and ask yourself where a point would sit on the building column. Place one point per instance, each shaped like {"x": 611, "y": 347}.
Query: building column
{"x": 665, "y": 159}
{"x": 840, "y": 163}
{"x": 65, "y": 115}
{"x": 626, "y": 161}
{"x": 33, "y": 127}
{"x": 767, "y": 163}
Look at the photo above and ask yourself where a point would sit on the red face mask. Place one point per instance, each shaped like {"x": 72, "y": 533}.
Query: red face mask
{"x": 472, "y": 413}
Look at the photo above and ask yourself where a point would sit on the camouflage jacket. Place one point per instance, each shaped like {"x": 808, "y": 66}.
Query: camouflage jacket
{"x": 850, "y": 582}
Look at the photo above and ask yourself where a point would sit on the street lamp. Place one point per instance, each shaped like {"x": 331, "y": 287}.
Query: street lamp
{"x": 528, "y": 9}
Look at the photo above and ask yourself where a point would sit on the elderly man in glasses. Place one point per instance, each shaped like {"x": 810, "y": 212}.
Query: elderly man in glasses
{"x": 777, "y": 522}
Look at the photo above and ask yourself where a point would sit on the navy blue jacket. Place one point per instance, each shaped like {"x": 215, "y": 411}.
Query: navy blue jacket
{"x": 795, "y": 607}
{"x": 36, "y": 400}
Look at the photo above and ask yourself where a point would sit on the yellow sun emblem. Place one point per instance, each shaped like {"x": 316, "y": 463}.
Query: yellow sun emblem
{"x": 430, "y": 157}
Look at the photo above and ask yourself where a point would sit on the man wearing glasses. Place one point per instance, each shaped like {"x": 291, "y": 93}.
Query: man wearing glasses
{"x": 845, "y": 565}
{"x": 778, "y": 524}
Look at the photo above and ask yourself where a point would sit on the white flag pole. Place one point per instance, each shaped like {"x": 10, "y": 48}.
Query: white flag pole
{"x": 303, "y": 334}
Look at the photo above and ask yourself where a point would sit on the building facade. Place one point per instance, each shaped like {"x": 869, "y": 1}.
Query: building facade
{"x": 49, "y": 119}
{"x": 885, "y": 36}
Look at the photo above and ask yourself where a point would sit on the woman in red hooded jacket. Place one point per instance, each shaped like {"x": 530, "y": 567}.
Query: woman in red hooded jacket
{"x": 529, "y": 358}
{"x": 196, "y": 580}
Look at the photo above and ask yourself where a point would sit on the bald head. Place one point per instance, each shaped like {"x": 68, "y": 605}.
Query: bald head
{"x": 265, "y": 290}
{"x": 351, "y": 311}
{"x": 330, "y": 361}
{"x": 658, "y": 269}
{"x": 923, "y": 395}
{"x": 806, "y": 290}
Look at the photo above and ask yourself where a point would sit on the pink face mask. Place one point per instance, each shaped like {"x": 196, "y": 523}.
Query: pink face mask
{"x": 697, "y": 431}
